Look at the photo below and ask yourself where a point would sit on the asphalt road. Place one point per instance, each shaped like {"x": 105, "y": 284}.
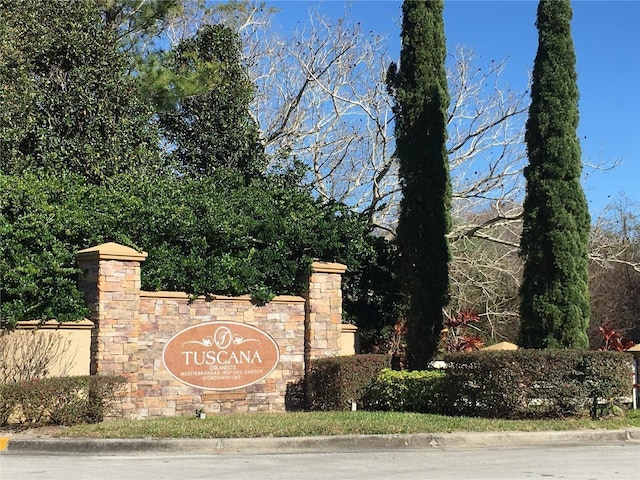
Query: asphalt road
{"x": 603, "y": 462}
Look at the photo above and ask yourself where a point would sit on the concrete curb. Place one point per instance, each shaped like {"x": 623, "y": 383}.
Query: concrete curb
{"x": 320, "y": 444}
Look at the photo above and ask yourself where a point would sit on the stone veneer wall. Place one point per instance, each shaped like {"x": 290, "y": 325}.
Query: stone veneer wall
{"x": 132, "y": 327}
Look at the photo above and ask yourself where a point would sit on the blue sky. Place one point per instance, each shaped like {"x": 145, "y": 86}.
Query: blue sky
{"x": 606, "y": 35}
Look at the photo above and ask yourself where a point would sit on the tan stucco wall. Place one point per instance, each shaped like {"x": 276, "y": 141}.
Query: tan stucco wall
{"x": 75, "y": 336}
{"x": 348, "y": 340}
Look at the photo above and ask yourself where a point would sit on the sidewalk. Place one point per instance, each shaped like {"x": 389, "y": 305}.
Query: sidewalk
{"x": 326, "y": 444}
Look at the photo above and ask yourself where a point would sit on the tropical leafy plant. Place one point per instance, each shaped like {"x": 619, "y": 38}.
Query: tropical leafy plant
{"x": 613, "y": 340}
{"x": 456, "y": 336}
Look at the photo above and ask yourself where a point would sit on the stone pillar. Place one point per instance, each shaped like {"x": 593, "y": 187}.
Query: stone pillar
{"x": 323, "y": 323}
{"x": 635, "y": 351}
{"x": 323, "y": 316}
{"x": 110, "y": 281}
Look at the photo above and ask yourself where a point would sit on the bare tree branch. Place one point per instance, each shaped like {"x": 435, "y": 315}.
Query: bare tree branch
{"x": 321, "y": 99}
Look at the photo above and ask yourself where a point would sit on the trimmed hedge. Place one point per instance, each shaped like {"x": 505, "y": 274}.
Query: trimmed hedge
{"x": 406, "y": 391}
{"x": 534, "y": 383}
{"x": 60, "y": 400}
{"x": 334, "y": 382}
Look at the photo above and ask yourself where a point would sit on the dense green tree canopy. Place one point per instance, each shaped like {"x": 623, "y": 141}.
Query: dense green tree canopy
{"x": 68, "y": 105}
{"x": 81, "y": 164}
{"x": 202, "y": 93}
{"x": 422, "y": 99}
{"x": 555, "y": 294}
{"x": 215, "y": 235}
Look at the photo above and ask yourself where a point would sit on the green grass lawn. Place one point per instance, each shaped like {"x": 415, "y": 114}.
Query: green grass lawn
{"x": 330, "y": 423}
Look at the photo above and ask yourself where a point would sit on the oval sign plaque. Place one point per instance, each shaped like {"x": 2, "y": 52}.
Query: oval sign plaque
{"x": 220, "y": 355}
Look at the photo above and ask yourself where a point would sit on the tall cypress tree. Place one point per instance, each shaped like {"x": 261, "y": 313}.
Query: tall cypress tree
{"x": 421, "y": 102}
{"x": 554, "y": 294}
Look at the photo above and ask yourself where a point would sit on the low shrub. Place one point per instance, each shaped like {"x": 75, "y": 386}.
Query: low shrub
{"x": 534, "y": 383}
{"x": 335, "y": 382}
{"x": 294, "y": 398}
{"x": 406, "y": 391}
{"x": 605, "y": 377}
{"x": 59, "y": 401}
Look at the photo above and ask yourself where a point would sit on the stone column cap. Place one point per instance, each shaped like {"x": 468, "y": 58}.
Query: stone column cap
{"x": 111, "y": 251}
{"x": 328, "y": 267}
{"x": 348, "y": 328}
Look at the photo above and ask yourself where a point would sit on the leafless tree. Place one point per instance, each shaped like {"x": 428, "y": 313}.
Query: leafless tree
{"x": 616, "y": 234}
{"x": 30, "y": 354}
{"x": 485, "y": 274}
{"x": 321, "y": 100}
{"x": 333, "y": 113}
{"x": 614, "y": 270}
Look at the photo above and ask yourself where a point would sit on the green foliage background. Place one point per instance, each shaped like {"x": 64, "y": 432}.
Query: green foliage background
{"x": 202, "y": 91}
{"x": 218, "y": 235}
{"x": 96, "y": 148}
{"x": 68, "y": 104}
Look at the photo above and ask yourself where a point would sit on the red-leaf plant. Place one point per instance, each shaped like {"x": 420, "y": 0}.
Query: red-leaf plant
{"x": 455, "y": 337}
{"x": 398, "y": 348}
{"x": 613, "y": 339}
